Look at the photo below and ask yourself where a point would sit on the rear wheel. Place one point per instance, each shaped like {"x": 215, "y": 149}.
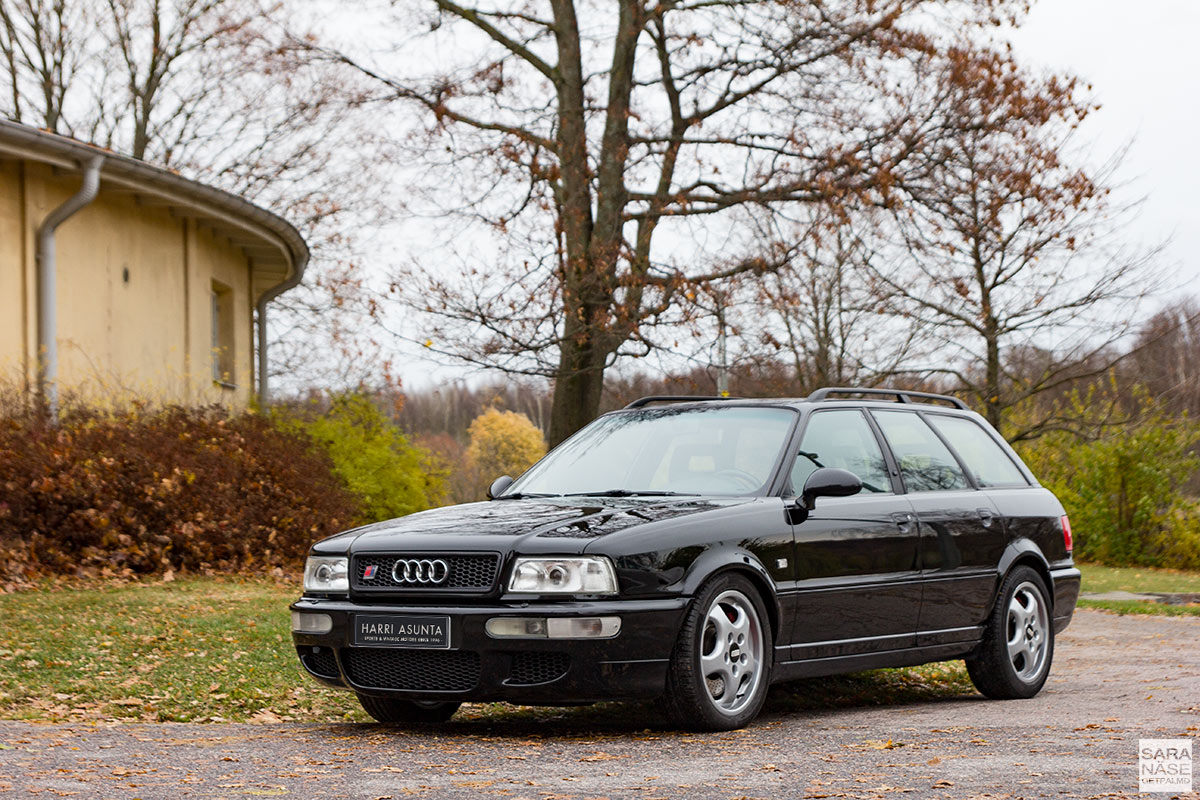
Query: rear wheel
{"x": 1018, "y": 643}
{"x": 407, "y": 712}
{"x": 721, "y": 666}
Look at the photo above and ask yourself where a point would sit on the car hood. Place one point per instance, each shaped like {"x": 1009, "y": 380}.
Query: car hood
{"x": 553, "y": 525}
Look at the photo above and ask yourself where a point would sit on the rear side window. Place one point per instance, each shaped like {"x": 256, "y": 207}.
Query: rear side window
{"x": 991, "y": 465}
{"x": 925, "y": 463}
{"x": 841, "y": 439}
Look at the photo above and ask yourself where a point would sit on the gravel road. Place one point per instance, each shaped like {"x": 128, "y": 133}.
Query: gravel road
{"x": 1115, "y": 680}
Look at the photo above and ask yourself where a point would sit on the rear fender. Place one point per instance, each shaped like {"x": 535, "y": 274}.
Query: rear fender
{"x": 1024, "y": 551}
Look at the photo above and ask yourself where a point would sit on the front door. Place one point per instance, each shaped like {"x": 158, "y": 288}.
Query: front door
{"x": 856, "y": 557}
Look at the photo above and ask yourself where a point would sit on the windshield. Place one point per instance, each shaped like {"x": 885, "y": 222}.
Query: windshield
{"x": 672, "y": 450}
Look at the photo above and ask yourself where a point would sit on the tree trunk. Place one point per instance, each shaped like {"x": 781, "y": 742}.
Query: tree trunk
{"x": 992, "y": 402}
{"x": 578, "y": 387}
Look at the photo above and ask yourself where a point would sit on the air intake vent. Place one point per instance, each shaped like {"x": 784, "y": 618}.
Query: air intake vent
{"x": 396, "y": 668}
{"x": 531, "y": 668}
{"x": 320, "y": 663}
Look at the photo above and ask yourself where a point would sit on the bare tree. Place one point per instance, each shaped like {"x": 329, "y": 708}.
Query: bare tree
{"x": 588, "y": 136}
{"x": 818, "y": 313}
{"x": 1165, "y": 358}
{"x": 42, "y": 44}
{"x": 152, "y": 44}
{"x": 1006, "y": 245}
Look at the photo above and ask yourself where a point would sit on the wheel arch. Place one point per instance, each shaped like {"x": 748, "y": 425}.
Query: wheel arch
{"x": 1023, "y": 552}
{"x": 738, "y": 561}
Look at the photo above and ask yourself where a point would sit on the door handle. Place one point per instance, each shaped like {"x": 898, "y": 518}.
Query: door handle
{"x": 985, "y": 516}
{"x": 904, "y": 521}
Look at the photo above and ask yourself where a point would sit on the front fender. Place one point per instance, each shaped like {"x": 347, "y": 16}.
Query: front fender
{"x": 716, "y": 560}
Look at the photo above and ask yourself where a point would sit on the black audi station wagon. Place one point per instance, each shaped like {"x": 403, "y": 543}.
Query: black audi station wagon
{"x": 698, "y": 550}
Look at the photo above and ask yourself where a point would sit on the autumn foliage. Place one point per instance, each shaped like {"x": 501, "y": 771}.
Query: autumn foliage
{"x": 503, "y": 443}
{"x": 388, "y": 474}
{"x": 154, "y": 492}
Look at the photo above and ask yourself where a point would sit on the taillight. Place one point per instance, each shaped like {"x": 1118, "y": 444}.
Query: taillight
{"x": 1067, "y": 540}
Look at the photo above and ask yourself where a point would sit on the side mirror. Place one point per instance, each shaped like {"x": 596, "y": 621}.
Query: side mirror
{"x": 499, "y": 485}
{"x": 828, "y": 482}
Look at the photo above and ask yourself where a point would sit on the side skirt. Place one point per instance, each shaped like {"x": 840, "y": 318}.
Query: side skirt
{"x": 908, "y": 657}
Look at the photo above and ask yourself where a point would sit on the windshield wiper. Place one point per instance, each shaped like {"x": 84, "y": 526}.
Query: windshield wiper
{"x": 629, "y": 493}
{"x": 525, "y": 495}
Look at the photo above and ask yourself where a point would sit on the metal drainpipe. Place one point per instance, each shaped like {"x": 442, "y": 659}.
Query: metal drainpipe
{"x": 264, "y": 395}
{"x": 47, "y": 282}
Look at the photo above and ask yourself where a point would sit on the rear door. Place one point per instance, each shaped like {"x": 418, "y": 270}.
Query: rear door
{"x": 961, "y": 533}
{"x": 856, "y": 557}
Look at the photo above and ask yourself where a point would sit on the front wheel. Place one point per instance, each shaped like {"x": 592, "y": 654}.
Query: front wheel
{"x": 1018, "y": 643}
{"x": 407, "y": 712}
{"x": 721, "y": 666}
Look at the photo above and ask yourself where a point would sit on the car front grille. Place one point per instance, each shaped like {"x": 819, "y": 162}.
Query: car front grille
{"x": 319, "y": 661}
{"x": 397, "y": 668}
{"x": 467, "y": 573}
{"x": 531, "y": 668}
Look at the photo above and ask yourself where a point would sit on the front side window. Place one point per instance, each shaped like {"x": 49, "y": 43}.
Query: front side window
{"x": 989, "y": 462}
{"x": 925, "y": 463}
{"x": 841, "y": 439}
{"x": 697, "y": 450}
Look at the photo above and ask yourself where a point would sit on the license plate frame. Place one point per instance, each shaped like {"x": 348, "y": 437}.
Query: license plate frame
{"x": 414, "y": 631}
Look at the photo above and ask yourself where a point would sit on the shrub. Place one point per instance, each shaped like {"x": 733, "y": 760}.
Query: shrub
{"x": 389, "y": 476}
{"x": 503, "y": 443}
{"x": 150, "y": 491}
{"x": 1123, "y": 492}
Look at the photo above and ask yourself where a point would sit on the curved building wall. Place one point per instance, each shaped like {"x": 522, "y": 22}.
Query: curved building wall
{"x": 137, "y": 313}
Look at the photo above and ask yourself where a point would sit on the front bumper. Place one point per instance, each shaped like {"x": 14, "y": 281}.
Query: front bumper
{"x": 478, "y": 667}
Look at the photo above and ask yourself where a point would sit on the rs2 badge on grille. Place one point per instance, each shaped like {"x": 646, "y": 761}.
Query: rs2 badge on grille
{"x": 394, "y": 630}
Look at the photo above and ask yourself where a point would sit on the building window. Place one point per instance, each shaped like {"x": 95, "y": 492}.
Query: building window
{"x": 222, "y": 336}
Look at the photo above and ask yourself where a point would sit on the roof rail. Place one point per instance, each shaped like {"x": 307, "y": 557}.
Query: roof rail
{"x": 901, "y": 395}
{"x": 673, "y": 398}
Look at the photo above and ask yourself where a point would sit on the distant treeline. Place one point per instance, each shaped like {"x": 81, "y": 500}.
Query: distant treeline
{"x": 1160, "y": 365}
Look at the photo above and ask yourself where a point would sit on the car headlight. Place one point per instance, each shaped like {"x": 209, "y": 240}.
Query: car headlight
{"x": 327, "y": 574}
{"x": 580, "y": 575}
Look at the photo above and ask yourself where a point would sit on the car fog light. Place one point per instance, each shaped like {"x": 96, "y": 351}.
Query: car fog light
{"x": 516, "y": 627}
{"x": 583, "y": 627}
{"x": 553, "y": 628}
{"x": 311, "y": 623}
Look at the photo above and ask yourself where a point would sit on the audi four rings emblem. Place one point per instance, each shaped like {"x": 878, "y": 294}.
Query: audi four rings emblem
{"x": 420, "y": 570}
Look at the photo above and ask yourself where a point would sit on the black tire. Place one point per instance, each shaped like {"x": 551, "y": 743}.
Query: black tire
{"x": 698, "y": 701}
{"x": 392, "y": 711}
{"x": 1018, "y": 642}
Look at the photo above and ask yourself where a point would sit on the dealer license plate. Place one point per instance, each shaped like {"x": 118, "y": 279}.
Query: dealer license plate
{"x": 396, "y": 630}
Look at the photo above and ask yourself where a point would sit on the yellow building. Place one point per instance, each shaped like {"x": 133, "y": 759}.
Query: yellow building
{"x": 119, "y": 279}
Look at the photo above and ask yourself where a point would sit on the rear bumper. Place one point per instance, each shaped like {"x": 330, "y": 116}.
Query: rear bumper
{"x": 478, "y": 667}
{"x": 1066, "y": 595}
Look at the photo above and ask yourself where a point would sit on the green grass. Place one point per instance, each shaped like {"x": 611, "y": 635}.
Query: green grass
{"x": 1139, "y": 580}
{"x": 219, "y": 649}
{"x": 199, "y": 649}
{"x": 1141, "y": 607}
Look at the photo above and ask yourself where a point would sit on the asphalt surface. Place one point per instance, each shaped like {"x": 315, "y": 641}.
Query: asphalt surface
{"x": 1115, "y": 680}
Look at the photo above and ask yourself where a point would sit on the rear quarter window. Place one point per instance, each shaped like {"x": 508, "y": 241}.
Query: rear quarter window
{"x": 983, "y": 456}
{"x": 925, "y": 463}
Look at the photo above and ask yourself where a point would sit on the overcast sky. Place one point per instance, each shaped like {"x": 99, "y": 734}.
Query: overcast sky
{"x": 1143, "y": 62}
